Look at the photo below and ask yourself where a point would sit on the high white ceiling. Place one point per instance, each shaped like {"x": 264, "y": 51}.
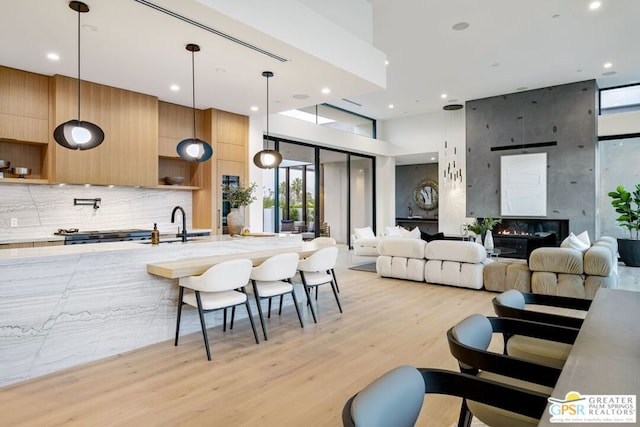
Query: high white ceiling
{"x": 508, "y": 46}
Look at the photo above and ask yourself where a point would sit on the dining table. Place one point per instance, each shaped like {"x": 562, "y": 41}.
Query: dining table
{"x": 600, "y": 380}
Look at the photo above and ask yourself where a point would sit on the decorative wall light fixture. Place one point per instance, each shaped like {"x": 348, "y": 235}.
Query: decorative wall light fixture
{"x": 267, "y": 159}
{"x": 76, "y": 134}
{"x": 194, "y": 149}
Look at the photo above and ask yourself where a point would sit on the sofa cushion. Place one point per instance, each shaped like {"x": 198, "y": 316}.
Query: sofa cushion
{"x": 364, "y": 233}
{"x": 556, "y": 260}
{"x": 455, "y": 250}
{"x": 393, "y": 231}
{"x": 566, "y": 285}
{"x": 573, "y": 242}
{"x": 413, "y": 234}
{"x": 453, "y": 273}
{"x": 429, "y": 237}
{"x": 402, "y": 247}
{"x": 584, "y": 238}
{"x": 500, "y": 276}
{"x": 598, "y": 261}
{"x": 400, "y": 267}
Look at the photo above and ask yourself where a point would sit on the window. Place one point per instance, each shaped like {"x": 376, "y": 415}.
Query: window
{"x": 620, "y": 99}
{"x": 337, "y": 118}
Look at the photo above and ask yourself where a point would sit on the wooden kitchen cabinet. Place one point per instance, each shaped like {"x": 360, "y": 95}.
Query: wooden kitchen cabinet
{"x": 24, "y": 106}
{"x": 24, "y": 122}
{"x": 129, "y": 153}
{"x": 175, "y": 123}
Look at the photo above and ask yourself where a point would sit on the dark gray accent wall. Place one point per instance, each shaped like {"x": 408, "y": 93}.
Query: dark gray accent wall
{"x": 407, "y": 179}
{"x": 566, "y": 114}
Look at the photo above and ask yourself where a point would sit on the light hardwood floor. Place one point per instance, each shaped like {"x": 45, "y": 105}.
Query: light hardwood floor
{"x": 300, "y": 377}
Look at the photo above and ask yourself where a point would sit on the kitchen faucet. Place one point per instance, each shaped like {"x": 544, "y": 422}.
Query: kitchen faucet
{"x": 184, "y": 222}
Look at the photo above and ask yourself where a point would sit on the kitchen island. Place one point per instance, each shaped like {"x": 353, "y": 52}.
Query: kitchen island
{"x": 63, "y": 306}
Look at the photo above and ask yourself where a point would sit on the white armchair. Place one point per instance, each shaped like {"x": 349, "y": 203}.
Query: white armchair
{"x": 365, "y": 242}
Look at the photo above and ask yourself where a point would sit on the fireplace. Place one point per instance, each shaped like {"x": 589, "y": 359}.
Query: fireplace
{"x": 517, "y": 237}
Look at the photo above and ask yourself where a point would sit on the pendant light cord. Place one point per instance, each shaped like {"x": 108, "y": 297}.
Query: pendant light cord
{"x": 78, "y": 64}
{"x": 193, "y": 92}
{"x": 267, "y": 111}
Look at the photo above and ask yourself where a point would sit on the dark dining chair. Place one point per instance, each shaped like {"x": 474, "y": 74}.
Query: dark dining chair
{"x": 396, "y": 398}
{"x": 469, "y": 342}
{"x": 513, "y": 303}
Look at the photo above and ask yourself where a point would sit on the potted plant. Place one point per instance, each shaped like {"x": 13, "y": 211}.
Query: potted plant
{"x": 238, "y": 197}
{"x": 627, "y": 204}
{"x": 483, "y": 228}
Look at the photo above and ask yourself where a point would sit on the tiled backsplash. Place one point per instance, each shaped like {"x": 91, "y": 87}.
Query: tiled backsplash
{"x": 43, "y": 209}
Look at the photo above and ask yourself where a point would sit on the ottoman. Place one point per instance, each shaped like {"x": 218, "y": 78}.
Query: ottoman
{"x": 501, "y": 276}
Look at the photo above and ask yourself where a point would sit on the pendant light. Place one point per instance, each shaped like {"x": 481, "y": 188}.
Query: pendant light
{"x": 267, "y": 159}
{"x": 76, "y": 134}
{"x": 194, "y": 149}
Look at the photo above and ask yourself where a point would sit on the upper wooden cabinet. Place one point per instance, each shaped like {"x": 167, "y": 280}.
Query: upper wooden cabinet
{"x": 24, "y": 106}
{"x": 129, "y": 153}
{"x": 175, "y": 123}
{"x": 232, "y": 136}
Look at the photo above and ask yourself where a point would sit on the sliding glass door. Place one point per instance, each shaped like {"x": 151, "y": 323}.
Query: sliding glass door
{"x": 319, "y": 192}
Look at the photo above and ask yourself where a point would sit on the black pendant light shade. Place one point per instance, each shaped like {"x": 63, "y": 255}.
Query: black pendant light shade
{"x": 76, "y": 134}
{"x": 267, "y": 158}
{"x": 194, "y": 149}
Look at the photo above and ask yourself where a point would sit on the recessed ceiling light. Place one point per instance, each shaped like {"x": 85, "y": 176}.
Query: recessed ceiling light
{"x": 522, "y": 88}
{"x": 594, "y": 5}
{"x": 386, "y": 62}
{"x": 53, "y": 56}
{"x": 608, "y": 65}
{"x": 495, "y": 64}
{"x": 433, "y": 158}
{"x": 175, "y": 88}
{"x": 443, "y": 96}
{"x": 609, "y": 73}
{"x": 460, "y": 26}
{"x": 391, "y": 106}
{"x": 326, "y": 90}
{"x": 300, "y": 96}
{"x": 556, "y": 16}
{"x": 254, "y": 108}
{"x": 91, "y": 28}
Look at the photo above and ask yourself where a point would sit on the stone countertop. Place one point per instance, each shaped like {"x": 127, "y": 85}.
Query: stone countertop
{"x": 233, "y": 244}
{"x": 164, "y": 234}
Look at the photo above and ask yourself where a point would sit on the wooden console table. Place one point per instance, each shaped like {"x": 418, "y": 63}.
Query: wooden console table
{"x": 426, "y": 225}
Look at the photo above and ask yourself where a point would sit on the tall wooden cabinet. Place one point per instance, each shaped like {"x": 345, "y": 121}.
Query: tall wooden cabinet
{"x": 229, "y": 135}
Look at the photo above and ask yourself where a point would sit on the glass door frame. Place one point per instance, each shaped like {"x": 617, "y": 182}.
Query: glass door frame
{"x": 316, "y": 219}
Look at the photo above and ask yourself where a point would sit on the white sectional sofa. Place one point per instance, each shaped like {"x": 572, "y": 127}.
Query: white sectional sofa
{"x": 446, "y": 262}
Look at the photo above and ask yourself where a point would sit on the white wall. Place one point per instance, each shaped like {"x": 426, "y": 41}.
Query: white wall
{"x": 427, "y": 133}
